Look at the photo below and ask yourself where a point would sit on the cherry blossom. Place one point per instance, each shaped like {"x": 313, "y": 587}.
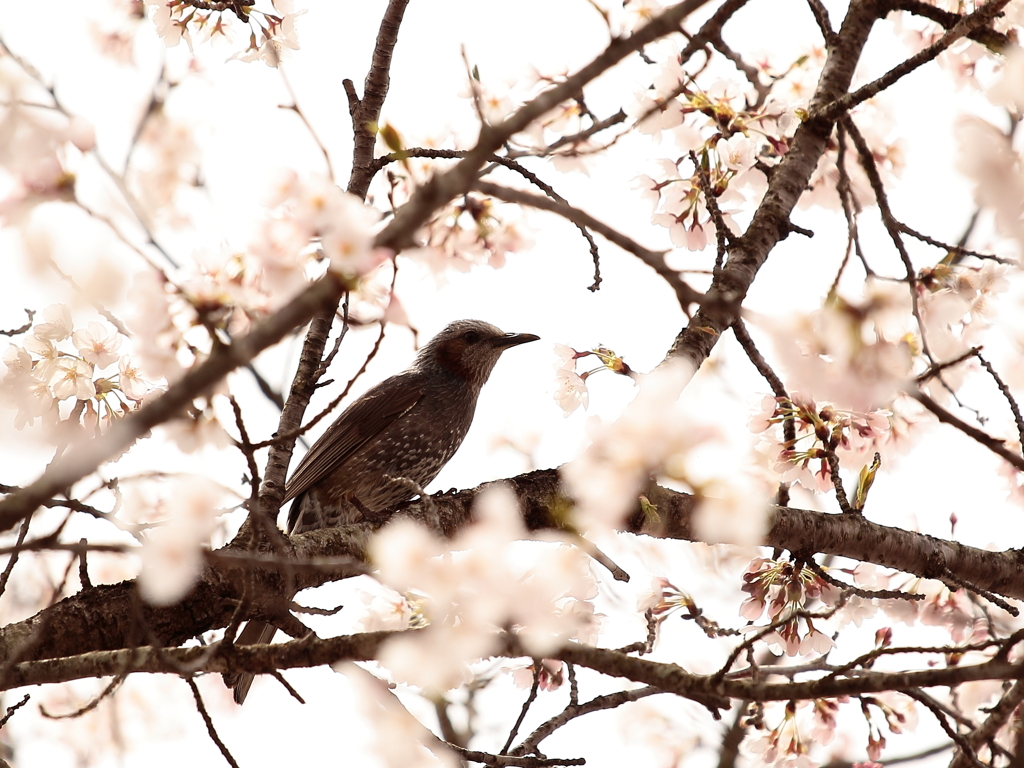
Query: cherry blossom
{"x": 46, "y": 353}
{"x": 58, "y": 325}
{"x": 548, "y": 673}
{"x": 570, "y": 391}
{"x": 72, "y": 378}
{"x": 98, "y": 345}
{"x": 398, "y": 736}
{"x": 277, "y": 39}
{"x": 836, "y": 353}
{"x": 172, "y": 555}
{"x": 130, "y": 380}
{"x": 474, "y": 586}
{"x": 385, "y": 610}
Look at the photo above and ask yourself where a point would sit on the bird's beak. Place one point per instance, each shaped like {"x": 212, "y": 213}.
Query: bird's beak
{"x": 513, "y": 339}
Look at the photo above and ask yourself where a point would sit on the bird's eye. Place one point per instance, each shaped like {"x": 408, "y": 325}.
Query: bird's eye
{"x": 471, "y": 337}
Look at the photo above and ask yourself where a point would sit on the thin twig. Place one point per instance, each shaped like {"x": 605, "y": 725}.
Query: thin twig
{"x": 12, "y": 709}
{"x": 21, "y": 329}
{"x": 294, "y": 107}
{"x": 209, "y": 723}
{"x": 597, "y": 704}
{"x": 537, "y": 666}
{"x": 1014, "y": 408}
{"x": 91, "y": 705}
{"x": 653, "y": 259}
{"x": 993, "y": 444}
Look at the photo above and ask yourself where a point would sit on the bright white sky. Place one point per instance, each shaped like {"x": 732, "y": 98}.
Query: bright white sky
{"x": 542, "y": 290}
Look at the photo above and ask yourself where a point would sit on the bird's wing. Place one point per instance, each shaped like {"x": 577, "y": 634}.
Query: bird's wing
{"x": 367, "y": 417}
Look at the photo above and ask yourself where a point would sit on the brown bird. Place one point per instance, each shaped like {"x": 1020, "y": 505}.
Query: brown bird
{"x": 390, "y": 442}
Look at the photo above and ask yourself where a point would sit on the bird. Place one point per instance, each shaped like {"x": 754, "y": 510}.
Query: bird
{"x": 390, "y": 442}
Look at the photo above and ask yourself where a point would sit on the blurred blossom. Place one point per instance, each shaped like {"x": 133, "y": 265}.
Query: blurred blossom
{"x": 1008, "y": 91}
{"x": 654, "y": 436}
{"x": 987, "y": 158}
{"x": 877, "y": 127}
{"x": 398, "y": 737}
{"x": 837, "y": 353}
{"x": 953, "y": 611}
{"x": 165, "y": 161}
{"x": 607, "y": 478}
{"x": 193, "y": 433}
{"x": 81, "y": 133}
{"x": 157, "y": 335}
{"x": 306, "y": 210}
{"x": 468, "y": 233}
{"x": 58, "y": 325}
{"x": 384, "y": 611}
{"x": 478, "y": 584}
{"x": 548, "y": 673}
{"x": 957, "y": 305}
{"x": 172, "y": 555}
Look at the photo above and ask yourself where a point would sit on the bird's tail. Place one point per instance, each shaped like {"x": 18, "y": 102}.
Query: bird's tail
{"x": 254, "y": 632}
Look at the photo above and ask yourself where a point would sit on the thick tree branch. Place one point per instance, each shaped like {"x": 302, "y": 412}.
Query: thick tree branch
{"x": 105, "y": 617}
{"x": 312, "y": 651}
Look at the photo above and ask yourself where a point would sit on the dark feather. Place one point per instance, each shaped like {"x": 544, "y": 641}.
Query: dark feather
{"x": 381, "y": 406}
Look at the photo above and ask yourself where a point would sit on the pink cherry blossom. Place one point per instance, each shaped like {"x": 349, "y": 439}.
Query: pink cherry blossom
{"x": 72, "y": 378}
{"x": 98, "y": 345}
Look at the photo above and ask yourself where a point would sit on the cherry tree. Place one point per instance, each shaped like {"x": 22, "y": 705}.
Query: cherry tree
{"x": 787, "y": 534}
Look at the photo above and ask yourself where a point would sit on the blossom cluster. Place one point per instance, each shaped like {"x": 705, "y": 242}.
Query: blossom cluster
{"x": 467, "y": 233}
{"x": 727, "y": 141}
{"x": 738, "y": 132}
{"x": 41, "y": 372}
{"x": 821, "y": 428}
{"x": 787, "y": 590}
{"x": 271, "y": 35}
{"x": 570, "y": 386}
{"x": 478, "y": 584}
{"x": 309, "y": 220}
{"x": 803, "y": 724}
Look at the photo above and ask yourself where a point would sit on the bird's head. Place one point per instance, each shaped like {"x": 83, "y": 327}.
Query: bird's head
{"x": 469, "y": 349}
